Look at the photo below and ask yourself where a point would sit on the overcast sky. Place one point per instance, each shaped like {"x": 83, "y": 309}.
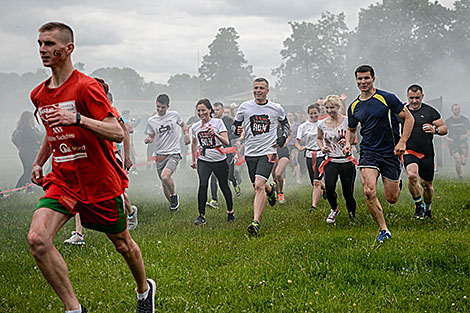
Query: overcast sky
{"x": 160, "y": 38}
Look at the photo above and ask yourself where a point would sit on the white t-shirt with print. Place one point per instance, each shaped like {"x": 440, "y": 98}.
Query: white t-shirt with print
{"x": 260, "y": 123}
{"x": 331, "y": 137}
{"x": 207, "y": 142}
{"x": 307, "y": 134}
{"x": 166, "y": 131}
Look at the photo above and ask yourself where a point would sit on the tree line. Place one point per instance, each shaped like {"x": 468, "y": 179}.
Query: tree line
{"x": 405, "y": 40}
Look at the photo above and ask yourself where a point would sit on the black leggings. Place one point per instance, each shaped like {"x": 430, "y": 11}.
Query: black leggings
{"x": 231, "y": 176}
{"x": 347, "y": 175}
{"x": 204, "y": 170}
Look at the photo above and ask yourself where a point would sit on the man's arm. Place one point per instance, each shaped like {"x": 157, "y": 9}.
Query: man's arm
{"x": 185, "y": 128}
{"x": 44, "y": 153}
{"x": 437, "y": 127}
{"x": 349, "y": 138}
{"x": 127, "y": 145}
{"x": 408, "y": 123}
{"x": 108, "y": 128}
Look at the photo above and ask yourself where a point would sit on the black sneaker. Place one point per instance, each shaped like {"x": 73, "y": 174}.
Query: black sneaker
{"x": 84, "y": 310}
{"x": 174, "y": 203}
{"x": 253, "y": 228}
{"x": 147, "y": 305}
{"x": 272, "y": 196}
{"x": 313, "y": 208}
{"x": 200, "y": 220}
{"x": 419, "y": 211}
{"x": 427, "y": 214}
{"x": 230, "y": 217}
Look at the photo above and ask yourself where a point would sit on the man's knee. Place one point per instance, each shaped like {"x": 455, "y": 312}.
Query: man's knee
{"x": 427, "y": 186}
{"x": 38, "y": 243}
{"x": 123, "y": 246}
{"x": 412, "y": 177}
{"x": 260, "y": 186}
{"x": 370, "y": 192}
{"x": 317, "y": 184}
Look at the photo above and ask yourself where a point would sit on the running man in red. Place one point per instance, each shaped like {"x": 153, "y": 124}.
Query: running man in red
{"x": 85, "y": 176}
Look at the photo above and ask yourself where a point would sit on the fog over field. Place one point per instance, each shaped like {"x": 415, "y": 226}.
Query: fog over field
{"x": 213, "y": 49}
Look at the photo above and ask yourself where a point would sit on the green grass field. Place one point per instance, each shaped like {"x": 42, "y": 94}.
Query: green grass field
{"x": 297, "y": 264}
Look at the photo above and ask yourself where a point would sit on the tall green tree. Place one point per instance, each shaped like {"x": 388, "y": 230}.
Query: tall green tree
{"x": 402, "y": 39}
{"x": 183, "y": 86}
{"x": 124, "y": 83}
{"x": 313, "y": 60}
{"x": 224, "y": 70}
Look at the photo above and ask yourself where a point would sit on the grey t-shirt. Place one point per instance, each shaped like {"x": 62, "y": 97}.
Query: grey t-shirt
{"x": 167, "y": 134}
{"x": 260, "y": 123}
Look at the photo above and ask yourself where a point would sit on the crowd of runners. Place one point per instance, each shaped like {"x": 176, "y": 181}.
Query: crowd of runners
{"x": 89, "y": 165}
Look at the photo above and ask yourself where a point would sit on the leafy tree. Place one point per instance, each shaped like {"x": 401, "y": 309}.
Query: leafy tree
{"x": 314, "y": 59}
{"x": 224, "y": 70}
{"x": 183, "y": 86}
{"x": 401, "y": 39}
{"x": 124, "y": 83}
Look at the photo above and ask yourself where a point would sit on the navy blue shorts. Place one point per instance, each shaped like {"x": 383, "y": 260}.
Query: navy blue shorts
{"x": 388, "y": 164}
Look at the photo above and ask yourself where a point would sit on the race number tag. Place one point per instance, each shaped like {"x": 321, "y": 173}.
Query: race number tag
{"x": 206, "y": 140}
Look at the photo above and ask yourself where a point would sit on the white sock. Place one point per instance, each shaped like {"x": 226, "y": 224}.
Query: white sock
{"x": 75, "y": 311}
{"x": 140, "y": 296}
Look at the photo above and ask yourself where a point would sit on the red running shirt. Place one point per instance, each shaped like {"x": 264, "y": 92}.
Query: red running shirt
{"x": 83, "y": 164}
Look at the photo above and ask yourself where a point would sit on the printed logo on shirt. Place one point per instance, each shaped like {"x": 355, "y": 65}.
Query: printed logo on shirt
{"x": 47, "y": 109}
{"x": 164, "y": 130}
{"x": 206, "y": 140}
{"x": 259, "y": 124}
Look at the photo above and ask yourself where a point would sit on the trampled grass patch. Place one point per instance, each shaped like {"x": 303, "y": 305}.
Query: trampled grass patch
{"x": 298, "y": 263}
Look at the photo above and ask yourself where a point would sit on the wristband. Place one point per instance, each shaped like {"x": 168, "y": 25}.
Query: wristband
{"x": 77, "y": 122}
{"x": 436, "y": 129}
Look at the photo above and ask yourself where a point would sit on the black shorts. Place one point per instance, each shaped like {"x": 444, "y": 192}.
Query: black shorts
{"x": 260, "y": 166}
{"x": 313, "y": 171}
{"x": 425, "y": 166}
{"x": 283, "y": 152}
{"x": 388, "y": 164}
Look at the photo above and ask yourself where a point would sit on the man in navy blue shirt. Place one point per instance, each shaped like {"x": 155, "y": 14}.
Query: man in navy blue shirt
{"x": 377, "y": 111}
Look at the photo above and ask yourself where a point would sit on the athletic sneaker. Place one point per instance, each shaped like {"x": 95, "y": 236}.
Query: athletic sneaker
{"x": 313, "y": 208}
{"x": 384, "y": 235}
{"x": 427, "y": 214}
{"x": 132, "y": 219}
{"x": 253, "y": 228}
{"x": 272, "y": 196}
{"x": 75, "y": 239}
{"x": 84, "y": 310}
{"x": 419, "y": 211}
{"x": 200, "y": 220}
{"x": 238, "y": 190}
{"x": 174, "y": 203}
{"x": 332, "y": 216}
{"x": 230, "y": 217}
{"x": 280, "y": 198}
{"x": 213, "y": 204}
{"x": 147, "y": 305}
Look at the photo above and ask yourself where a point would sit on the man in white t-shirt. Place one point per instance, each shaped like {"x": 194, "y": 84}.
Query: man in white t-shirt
{"x": 259, "y": 118}
{"x": 163, "y": 133}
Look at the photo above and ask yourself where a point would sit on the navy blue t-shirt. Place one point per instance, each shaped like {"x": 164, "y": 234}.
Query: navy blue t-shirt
{"x": 379, "y": 129}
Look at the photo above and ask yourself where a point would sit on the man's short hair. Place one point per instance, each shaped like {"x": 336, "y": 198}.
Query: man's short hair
{"x": 415, "y": 88}
{"x": 365, "y": 69}
{"x": 261, "y": 79}
{"x": 66, "y": 32}
{"x": 163, "y": 99}
{"x": 217, "y": 104}
{"x": 313, "y": 106}
{"x": 453, "y": 106}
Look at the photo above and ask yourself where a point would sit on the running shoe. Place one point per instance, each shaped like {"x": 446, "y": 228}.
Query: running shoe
{"x": 384, "y": 235}
{"x": 419, "y": 211}
{"x": 132, "y": 219}
{"x": 84, "y": 310}
{"x": 213, "y": 204}
{"x": 272, "y": 195}
{"x": 75, "y": 239}
{"x": 280, "y": 198}
{"x": 147, "y": 305}
{"x": 313, "y": 208}
{"x": 253, "y": 228}
{"x": 200, "y": 220}
{"x": 331, "y": 218}
{"x": 230, "y": 217}
{"x": 427, "y": 214}
{"x": 238, "y": 190}
{"x": 174, "y": 203}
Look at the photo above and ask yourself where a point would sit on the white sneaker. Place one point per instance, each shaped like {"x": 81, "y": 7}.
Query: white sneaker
{"x": 132, "y": 219}
{"x": 75, "y": 239}
{"x": 332, "y": 216}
